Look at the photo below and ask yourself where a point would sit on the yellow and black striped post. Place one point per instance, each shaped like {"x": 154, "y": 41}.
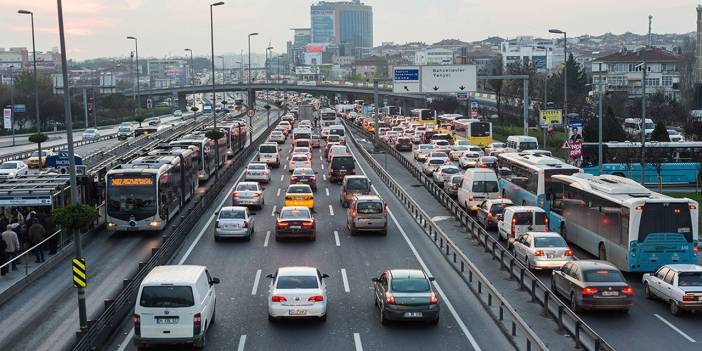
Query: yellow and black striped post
{"x": 80, "y": 278}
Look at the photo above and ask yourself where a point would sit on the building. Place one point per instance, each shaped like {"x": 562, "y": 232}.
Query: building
{"x": 543, "y": 53}
{"x": 15, "y": 57}
{"x": 167, "y": 73}
{"x": 371, "y": 67}
{"x": 622, "y": 71}
{"x": 349, "y": 23}
{"x": 434, "y": 56}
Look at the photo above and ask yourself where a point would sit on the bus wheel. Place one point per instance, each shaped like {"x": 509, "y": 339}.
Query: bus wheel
{"x": 602, "y": 252}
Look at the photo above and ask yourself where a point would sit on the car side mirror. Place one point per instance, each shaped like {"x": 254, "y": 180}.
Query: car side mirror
{"x": 431, "y": 279}
{"x": 215, "y": 281}
{"x": 271, "y": 276}
{"x": 375, "y": 280}
{"x": 216, "y": 213}
{"x": 325, "y": 275}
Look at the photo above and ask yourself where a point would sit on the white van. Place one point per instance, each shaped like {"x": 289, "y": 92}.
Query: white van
{"x": 517, "y": 143}
{"x": 478, "y": 185}
{"x": 518, "y": 220}
{"x": 268, "y": 153}
{"x": 175, "y": 305}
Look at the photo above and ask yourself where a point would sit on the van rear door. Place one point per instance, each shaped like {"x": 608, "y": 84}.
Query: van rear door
{"x": 166, "y": 311}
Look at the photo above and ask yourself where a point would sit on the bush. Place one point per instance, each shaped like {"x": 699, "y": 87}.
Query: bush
{"x": 660, "y": 133}
{"x": 38, "y": 138}
{"x": 74, "y": 217}
{"x": 214, "y": 134}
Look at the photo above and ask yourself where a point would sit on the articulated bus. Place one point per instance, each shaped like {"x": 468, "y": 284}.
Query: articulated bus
{"x": 531, "y": 176}
{"x": 207, "y": 164}
{"x": 679, "y": 162}
{"x": 620, "y": 221}
{"x": 236, "y": 139}
{"x": 189, "y": 160}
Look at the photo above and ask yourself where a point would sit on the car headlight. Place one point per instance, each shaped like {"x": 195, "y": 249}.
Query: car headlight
{"x": 154, "y": 223}
{"x": 12, "y": 174}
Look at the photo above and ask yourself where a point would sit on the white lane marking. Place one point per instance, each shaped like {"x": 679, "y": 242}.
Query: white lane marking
{"x": 448, "y": 303}
{"x": 326, "y": 190}
{"x": 322, "y": 165}
{"x": 286, "y": 166}
{"x": 336, "y": 238}
{"x": 440, "y": 218}
{"x": 320, "y": 158}
{"x": 345, "y": 280}
{"x": 331, "y": 210}
{"x": 357, "y": 341}
{"x": 324, "y": 176}
{"x": 268, "y": 236}
{"x": 256, "y": 279}
{"x": 282, "y": 176}
{"x": 277, "y": 193}
{"x": 275, "y": 207}
{"x": 675, "y": 328}
{"x": 242, "y": 343}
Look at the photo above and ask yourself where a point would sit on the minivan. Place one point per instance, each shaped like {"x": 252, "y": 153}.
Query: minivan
{"x": 479, "y": 184}
{"x": 517, "y": 143}
{"x": 341, "y": 166}
{"x": 353, "y": 185}
{"x": 268, "y": 153}
{"x": 518, "y": 220}
{"x": 367, "y": 213}
{"x": 175, "y": 305}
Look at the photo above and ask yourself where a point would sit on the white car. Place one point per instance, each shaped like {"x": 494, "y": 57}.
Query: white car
{"x": 542, "y": 250}
{"x": 257, "y": 172}
{"x": 234, "y": 221}
{"x": 469, "y": 159}
{"x": 91, "y": 134}
{"x": 286, "y": 125}
{"x": 442, "y": 146}
{"x": 336, "y": 150}
{"x": 461, "y": 143}
{"x": 457, "y": 151}
{"x": 675, "y": 135}
{"x": 444, "y": 173}
{"x": 432, "y": 164}
{"x": 680, "y": 285}
{"x": 299, "y": 160}
{"x": 302, "y": 150}
{"x": 297, "y": 292}
{"x": 421, "y": 152}
{"x": 177, "y": 113}
{"x": 11, "y": 169}
{"x": 277, "y": 136}
{"x": 441, "y": 155}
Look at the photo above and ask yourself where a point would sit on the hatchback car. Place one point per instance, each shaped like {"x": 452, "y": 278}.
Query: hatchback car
{"x": 592, "y": 285}
{"x": 679, "y": 285}
{"x": 257, "y": 172}
{"x": 297, "y": 292}
{"x": 248, "y": 194}
{"x": 34, "y": 160}
{"x": 403, "y": 144}
{"x": 304, "y": 175}
{"x": 295, "y": 221}
{"x": 452, "y": 185}
{"x": 299, "y": 195}
{"x": 442, "y": 145}
{"x": 487, "y": 162}
{"x": 442, "y": 174}
{"x": 457, "y": 151}
{"x": 11, "y": 169}
{"x": 299, "y": 160}
{"x": 302, "y": 150}
{"x": 277, "y": 136}
{"x": 406, "y": 294}
{"x": 367, "y": 213}
{"x": 542, "y": 250}
{"x": 491, "y": 211}
{"x": 469, "y": 159}
{"x": 234, "y": 221}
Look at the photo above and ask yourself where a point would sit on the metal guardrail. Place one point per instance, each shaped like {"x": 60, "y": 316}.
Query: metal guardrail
{"x": 116, "y": 309}
{"x": 23, "y": 155}
{"x": 553, "y": 307}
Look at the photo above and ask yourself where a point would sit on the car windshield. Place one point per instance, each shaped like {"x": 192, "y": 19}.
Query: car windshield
{"x": 441, "y": 143}
{"x": 125, "y": 129}
{"x": 485, "y": 186}
{"x": 673, "y": 132}
{"x": 333, "y": 138}
{"x": 294, "y": 213}
{"x": 247, "y": 187}
{"x": 451, "y": 170}
{"x": 303, "y": 171}
{"x": 369, "y": 207}
{"x": 690, "y": 279}
{"x": 257, "y": 166}
{"x": 357, "y": 183}
{"x": 498, "y": 208}
{"x": 8, "y": 165}
{"x": 297, "y": 282}
{"x": 299, "y": 189}
{"x": 549, "y": 241}
{"x": 460, "y": 148}
{"x": 301, "y": 150}
{"x": 268, "y": 149}
{"x": 528, "y": 145}
{"x": 167, "y": 296}
{"x": 602, "y": 276}
{"x": 300, "y": 158}
{"x": 410, "y": 285}
{"x": 456, "y": 180}
{"x": 232, "y": 214}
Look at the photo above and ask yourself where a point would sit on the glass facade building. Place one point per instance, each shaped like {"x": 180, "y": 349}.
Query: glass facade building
{"x": 348, "y": 24}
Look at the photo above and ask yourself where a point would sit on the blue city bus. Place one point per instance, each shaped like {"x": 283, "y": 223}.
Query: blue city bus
{"x": 530, "y": 176}
{"x": 679, "y": 163}
{"x": 618, "y": 220}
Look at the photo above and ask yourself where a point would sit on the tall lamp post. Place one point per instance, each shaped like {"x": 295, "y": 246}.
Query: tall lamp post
{"x": 248, "y": 88}
{"x": 565, "y": 68}
{"x": 36, "y": 85}
{"x": 136, "y": 53}
{"x": 269, "y": 56}
{"x": 214, "y": 96}
{"x": 192, "y": 74}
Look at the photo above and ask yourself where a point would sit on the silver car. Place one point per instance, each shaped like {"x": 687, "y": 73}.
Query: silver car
{"x": 680, "y": 285}
{"x": 421, "y": 152}
{"x": 234, "y": 221}
{"x": 432, "y": 164}
{"x": 248, "y": 194}
{"x": 542, "y": 250}
{"x": 258, "y": 172}
{"x": 444, "y": 172}
{"x": 367, "y": 213}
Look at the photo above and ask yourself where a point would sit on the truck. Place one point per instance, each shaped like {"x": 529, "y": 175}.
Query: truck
{"x": 306, "y": 112}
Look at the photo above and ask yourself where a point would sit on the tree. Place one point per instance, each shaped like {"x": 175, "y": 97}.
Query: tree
{"x": 447, "y": 104}
{"x": 38, "y": 138}
{"x": 660, "y": 133}
{"x": 214, "y": 134}
{"x": 74, "y": 217}
{"x": 577, "y": 86}
{"x": 497, "y": 84}
{"x": 611, "y": 128}
{"x": 139, "y": 118}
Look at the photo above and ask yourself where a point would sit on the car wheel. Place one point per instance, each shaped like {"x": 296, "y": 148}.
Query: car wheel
{"x": 675, "y": 309}
{"x": 647, "y": 291}
{"x": 574, "y": 303}
{"x": 314, "y": 236}
{"x": 564, "y": 232}
{"x": 272, "y": 319}
{"x": 217, "y": 238}
{"x": 323, "y": 318}
{"x": 202, "y": 341}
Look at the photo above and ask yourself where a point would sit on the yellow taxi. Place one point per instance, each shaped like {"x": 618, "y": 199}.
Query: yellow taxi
{"x": 299, "y": 195}
{"x": 34, "y": 159}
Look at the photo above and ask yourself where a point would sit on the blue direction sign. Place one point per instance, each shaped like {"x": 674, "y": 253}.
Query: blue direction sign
{"x": 462, "y": 95}
{"x": 19, "y": 108}
{"x": 407, "y": 74}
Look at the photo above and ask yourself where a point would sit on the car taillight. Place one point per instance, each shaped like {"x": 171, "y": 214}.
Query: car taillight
{"x": 433, "y": 299}
{"x": 216, "y": 224}
{"x": 389, "y": 298}
{"x": 293, "y": 179}
{"x": 455, "y": 187}
{"x": 137, "y": 324}
{"x": 316, "y": 298}
{"x": 686, "y": 297}
{"x": 514, "y": 229}
{"x": 568, "y": 253}
{"x": 696, "y": 246}
{"x": 588, "y": 291}
{"x": 278, "y": 298}
{"x": 257, "y": 194}
{"x": 309, "y": 224}
{"x": 313, "y": 177}
{"x": 235, "y": 194}
{"x": 471, "y": 198}
{"x": 197, "y": 323}
{"x": 539, "y": 253}
{"x": 245, "y": 225}
{"x": 282, "y": 224}
{"x": 628, "y": 291}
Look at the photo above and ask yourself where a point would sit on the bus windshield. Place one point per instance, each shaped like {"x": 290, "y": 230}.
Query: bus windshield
{"x": 131, "y": 195}
{"x": 528, "y": 145}
{"x": 665, "y": 218}
{"x": 479, "y": 129}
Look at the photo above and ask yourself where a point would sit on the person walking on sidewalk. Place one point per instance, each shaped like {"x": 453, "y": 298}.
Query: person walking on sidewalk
{"x": 37, "y": 233}
{"x": 3, "y": 257}
{"x": 13, "y": 247}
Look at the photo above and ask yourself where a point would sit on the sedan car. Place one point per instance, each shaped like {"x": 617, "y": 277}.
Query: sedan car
{"x": 679, "y": 285}
{"x": 403, "y": 144}
{"x": 295, "y": 221}
{"x": 258, "y": 172}
{"x": 302, "y": 150}
{"x": 421, "y": 152}
{"x": 234, "y": 221}
{"x": 452, "y": 185}
{"x": 592, "y": 285}
{"x": 34, "y": 160}
{"x": 495, "y": 148}
{"x": 491, "y": 211}
{"x": 432, "y": 164}
{"x": 417, "y": 137}
{"x": 487, "y": 162}
{"x": 314, "y": 141}
{"x": 297, "y": 292}
{"x": 442, "y": 174}
{"x": 442, "y": 146}
{"x": 277, "y": 136}
{"x": 248, "y": 194}
{"x": 542, "y": 250}
{"x": 11, "y": 169}
{"x": 304, "y": 175}
{"x": 457, "y": 151}
{"x": 299, "y": 195}
{"x": 469, "y": 159}
{"x": 406, "y": 294}
{"x": 299, "y": 160}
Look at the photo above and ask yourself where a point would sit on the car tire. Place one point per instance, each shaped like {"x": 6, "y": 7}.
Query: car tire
{"x": 574, "y": 303}
{"x": 202, "y": 341}
{"x": 383, "y": 320}
{"x": 647, "y": 292}
{"x": 314, "y": 236}
{"x": 675, "y": 310}
{"x": 323, "y": 318}
{"x": 212, "y": 319}
{"x": 272, "y": 319}
{"x": 217, "y": 238}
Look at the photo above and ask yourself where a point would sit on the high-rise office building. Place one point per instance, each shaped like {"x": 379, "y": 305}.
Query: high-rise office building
{"x": 348, "y": 24}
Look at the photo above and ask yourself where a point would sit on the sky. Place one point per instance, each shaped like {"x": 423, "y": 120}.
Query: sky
{"x": 97, "y": 28}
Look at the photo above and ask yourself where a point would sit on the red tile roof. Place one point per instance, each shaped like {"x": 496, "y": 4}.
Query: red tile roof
{"x": 650, "y": 55}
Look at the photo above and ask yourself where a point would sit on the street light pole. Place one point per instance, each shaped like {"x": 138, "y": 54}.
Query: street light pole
{"x": 248, "y": 89}
{"x": 12, "y": 104}
{"x": 565, "y": 68}
{"x": 214, "y": 96}
{"x": 136, "y": 53}
{"x": 36, "y": 85}
{"x": 192, "y": 75}
{"x": 82, "y": 313}
{"x": 601, "y": 89}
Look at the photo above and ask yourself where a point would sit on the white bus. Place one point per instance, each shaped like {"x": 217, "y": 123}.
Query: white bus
{"x": 618, "y": 220}
{"x": 327, "y": 116}
{"x": 530, "y": 176}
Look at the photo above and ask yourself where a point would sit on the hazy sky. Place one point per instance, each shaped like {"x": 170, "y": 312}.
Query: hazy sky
{"x": 98, "y": 28}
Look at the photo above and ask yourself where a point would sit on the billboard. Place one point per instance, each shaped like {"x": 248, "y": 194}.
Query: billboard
{"x": 313, "y": 58}
{"x": 302, "y": 70}
{"x": 548, "y": 117}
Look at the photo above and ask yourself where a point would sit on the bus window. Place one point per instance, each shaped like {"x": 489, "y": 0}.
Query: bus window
{"x": 478, "y": 129}
{"x": 665, "y": 218}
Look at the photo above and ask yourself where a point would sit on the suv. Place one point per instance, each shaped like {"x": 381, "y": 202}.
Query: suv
{"x": 354, "y": 185}
{"x": 367, "y": 213}
{"x": 341, "y": 166}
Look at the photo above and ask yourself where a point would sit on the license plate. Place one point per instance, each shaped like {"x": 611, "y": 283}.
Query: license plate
{"x": 297, "y": 312}
{"x": 295, "y": 227}
{"x": 550, "y": 255}
{"x": 610, "y": 293}
{"x": 167, "y": 320}
{"x": 413, "y": 314}
{"x": 300, "y": 198}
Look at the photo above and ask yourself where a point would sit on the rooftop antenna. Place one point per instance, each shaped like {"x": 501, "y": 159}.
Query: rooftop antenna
{"x": 650, "y": 18}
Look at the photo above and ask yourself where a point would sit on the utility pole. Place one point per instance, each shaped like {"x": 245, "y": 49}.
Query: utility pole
{"x": 12, "y": 104}
{"x": 644, "y": 67}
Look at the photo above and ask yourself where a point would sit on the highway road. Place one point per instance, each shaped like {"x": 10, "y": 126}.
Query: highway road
{"x": 353, "y": 322}
{"x": 44, "y": 315}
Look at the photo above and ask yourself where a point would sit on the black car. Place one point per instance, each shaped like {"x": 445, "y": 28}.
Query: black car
{"x": 406, "y": 294}
{"x": 304, "y": 175}
{"x": 592, "y": 285}
{"x": 403, "y": 144}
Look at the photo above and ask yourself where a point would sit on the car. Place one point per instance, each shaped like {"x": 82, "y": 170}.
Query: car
{"x": 91, "y": 134}
{"x": 258, "y": 171}
{"x": 282, "y": 130}
{"x": 542, "y": 250}
{"x": 124, "y": 132}
{"x": 187, "y": 293}
{"x": 297, "y": 292}
{"x": 327, "y": 146}
{"x": 268, "y": 154}
{"x": 324, "y": 132}
{"x": 152, "y": 121}
{"x": 443, "y": 173}
{"x": 469, "y": 159}
{"x": 452, "y": 185}
{"x": 302, "y": 150}
{"x": 34, "y": 161}
{"x": 12, "y": 169}
{"x": 491, "y": 211}
{"x": 335, "y": 150}
{"x": 440, "y": 154}
{"x": 417, "y": 137}
{"x": 487, "y": 162}
{"x": 304, "y": 175}
{"x": 403, "y": 144}
{"x": 592, "y": 285}
{"x": 495, "y": 148}
{"x": 517, "y": 220}
{"x": 248, "y": 194}
{"x": 353, "y": 185}
{"x": 295, "y": 221}
{"x": 457, "y": 151}
{"x": 336, "y": 138}
{"x": 421, "y": 152}
{"x": 234, "y": 221}
{"x": 299, "y": 195}
{"x": 367, "y": 213}
{"x": 406, "y": 294}
{"x": 441, "y": 146}
{"x": 675, "y": 136}
{"x": 277, "y": 136}
{"x": 299, "y": 160}
{"x": 679, "y": 285}
{"x": 432, "y": 164}
{"x": 314, "y": 141}
{"x": 341, "y": 166}
{"x": 461, "y": 143}
{"x": 177, "y": 113}
{"x": 287, "y": 125}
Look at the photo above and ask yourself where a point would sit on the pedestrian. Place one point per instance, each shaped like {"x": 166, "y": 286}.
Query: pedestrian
{"x": 37, "y": 233}
{"x": 50, "y": 228}
{"x": 3, "y": 257}
{"x": 9, "y": 236}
